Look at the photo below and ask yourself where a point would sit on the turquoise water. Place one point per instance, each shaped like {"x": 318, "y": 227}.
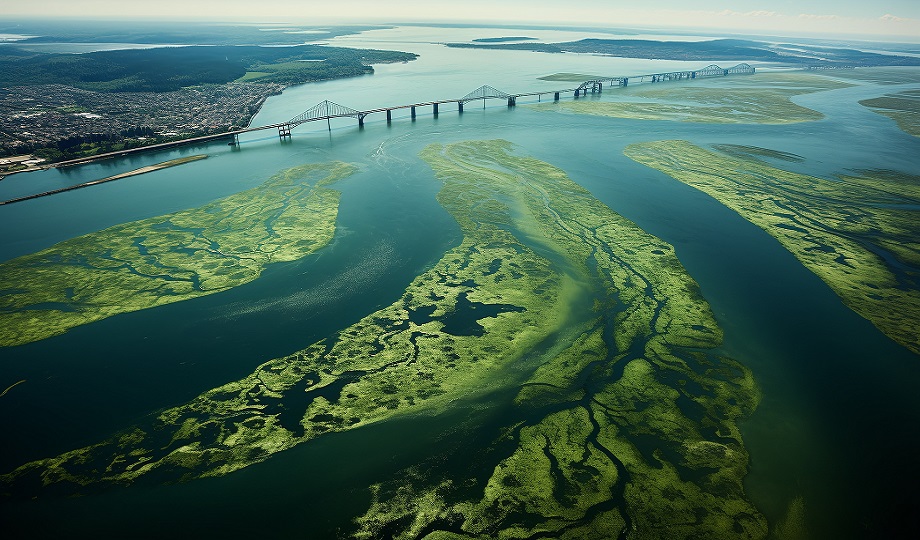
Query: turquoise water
{"x": 836, "y": 424}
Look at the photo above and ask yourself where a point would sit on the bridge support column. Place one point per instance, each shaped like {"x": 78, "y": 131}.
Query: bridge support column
{"x": 625, "y": 81}
{"x": 389, "y": 115}
{"x": 600, "y": 87}
{"x": 284, "y": 131}
{"x": 511, "y": 101}
{"x": 360, "y": 121}
{"x": 556, "y": 96}
{"x": 577, "y": 92}
{"x": 412, "y": 111}
{"x": 460, "y": 107}
{"x": 434, "y": 109}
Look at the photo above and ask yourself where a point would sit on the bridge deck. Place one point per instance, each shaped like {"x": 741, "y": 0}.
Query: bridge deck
{"x": 285, "y": 127}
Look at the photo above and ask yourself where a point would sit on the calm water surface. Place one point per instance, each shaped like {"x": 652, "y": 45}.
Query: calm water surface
{"x": 838, "y": 419}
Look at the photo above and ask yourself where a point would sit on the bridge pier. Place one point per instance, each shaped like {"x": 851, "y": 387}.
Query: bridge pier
{"x": 412, "y": 110}
{"x": 389, "y": 115}
{"x": 556, "y": 96}
{"x": 625, "y": 81}
{"x": 600, "y": 87}
{"x": 460, "y": 107}
{"x": 511, "y": 101}
{"x": 577, "y": 92}
{"x": 284, "y": 131}
{"x": 434, "y": 109}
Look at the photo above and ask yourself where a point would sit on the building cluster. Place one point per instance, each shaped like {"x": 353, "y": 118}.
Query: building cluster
{"x": 48, "y": 115}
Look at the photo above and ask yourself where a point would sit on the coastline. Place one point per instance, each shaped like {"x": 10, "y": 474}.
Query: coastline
{"x": 135, "y": 172}
{"x": 126, "y": 152}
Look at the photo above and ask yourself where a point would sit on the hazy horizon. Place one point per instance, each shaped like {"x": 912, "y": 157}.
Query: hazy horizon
{"x": 888, "y": 20}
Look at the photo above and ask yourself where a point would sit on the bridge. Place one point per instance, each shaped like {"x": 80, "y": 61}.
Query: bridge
{"x": 327, "y": 110}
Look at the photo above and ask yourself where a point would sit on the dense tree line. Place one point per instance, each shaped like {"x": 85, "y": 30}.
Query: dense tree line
{"x": 93, "y": 143}
{"x": 170, "y": 68}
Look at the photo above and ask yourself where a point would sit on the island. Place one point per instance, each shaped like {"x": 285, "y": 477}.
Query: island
{"x": 762, "y": 98}
{"x": 705, "y": 51}
{"x": 503, "y": 39}
{"x": 856, "y": 232}
{"x": 902, "y": 107}
{"x": 169, "y": 258}
{"x": 587, "y": 329}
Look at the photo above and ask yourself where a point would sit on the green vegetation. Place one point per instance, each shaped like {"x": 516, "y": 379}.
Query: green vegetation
{"x": 170, "y": 33}
{"x": 903, "y": 108}
{"x": 170, "y": 68}
{"x": 10, "y": 387}
{"x": 858, "y": 234}
{"x": 168, "y": 258}
{"x": 621, "y": 418}
{"x": 755, "y": 152}
{"x": 753, "y": 99}
{"x": 300, "y": 71}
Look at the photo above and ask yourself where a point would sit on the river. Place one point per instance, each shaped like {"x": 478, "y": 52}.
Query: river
{"x": 837, "y": 422}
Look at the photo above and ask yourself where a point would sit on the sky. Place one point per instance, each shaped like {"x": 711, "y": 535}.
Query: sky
{"x": 826, "y": 17}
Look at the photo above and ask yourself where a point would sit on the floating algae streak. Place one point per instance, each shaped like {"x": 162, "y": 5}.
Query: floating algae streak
{"x": 169, "y": 258}
{"x": 619, "y": 417}
{"x": 135, "y": 172}
{"x": 10, "y": 387}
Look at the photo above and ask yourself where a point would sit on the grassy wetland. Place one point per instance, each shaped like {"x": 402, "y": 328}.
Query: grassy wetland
{"x": 587, "y": 328}
{"x": 856, "y": 232}
{"x": 902, "y": 107}
{"x": 169, "y": 258}
{"x": 763, "y": 98}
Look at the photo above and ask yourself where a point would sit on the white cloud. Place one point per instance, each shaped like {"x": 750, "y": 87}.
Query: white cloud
{"x": 758, "y": 13}
{"x": 888, "y": 17}
{"x": 813, "y": 17}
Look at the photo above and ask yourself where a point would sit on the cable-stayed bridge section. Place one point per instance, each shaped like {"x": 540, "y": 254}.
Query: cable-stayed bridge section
{"x": 327, "y": 110}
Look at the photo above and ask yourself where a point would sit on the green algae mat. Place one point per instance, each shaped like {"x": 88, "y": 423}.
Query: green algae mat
{"x": 754, "y": 99}
{"x": 169, "y": 258}
{"x": 857, "y": 233}
{"x": 617, "y": 415}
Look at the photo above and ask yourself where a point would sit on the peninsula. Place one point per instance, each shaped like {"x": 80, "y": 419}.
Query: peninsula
{"x": 65, "y": 106}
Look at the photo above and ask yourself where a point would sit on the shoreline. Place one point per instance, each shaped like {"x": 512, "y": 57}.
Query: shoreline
{"x": 135, "y": 172}
{"x": 139, "y": 149}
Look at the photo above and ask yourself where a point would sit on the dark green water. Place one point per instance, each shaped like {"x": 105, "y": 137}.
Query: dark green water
{"x": 837, "y": 424}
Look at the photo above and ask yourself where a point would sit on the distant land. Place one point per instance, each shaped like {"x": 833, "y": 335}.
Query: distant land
{"x": 503, "y": 39}
{"x": 173, "y": 33}
{"x": 722, "y": 49}
{"x": 165, "y": 69}
{"x": 63, "y": 106}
